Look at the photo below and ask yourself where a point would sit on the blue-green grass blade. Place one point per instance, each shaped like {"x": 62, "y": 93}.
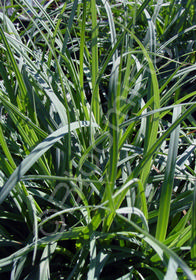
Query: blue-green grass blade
{"x": 7, "y": 83}
{"x": 119, "y": 196}
{"x": 77, "y": 87}
{"x": 193, "y": 221}
{"x": 32, "y": 211}
{"x": 179, "y": 101}
{"x": 56, "y": 31}
{"x": 18, "y": 268}
{"x": 67, "y": 165}
{"x": 150, "y": 113}
{"x": 165, "y": 44}
{"x": 44, "y": 265}
{"x": 19, "y": 78}
{"x": 43, "y": 15}
{"x": 160, "y": 140}
{"x": 111, "y": 53}
{"x": 112, "y": 27}
{"x": 134, "y": 211}
{"x": 160, "y": 248}
{"x": 41, "y": 23}
{"x": 150, "y": 38}
{"x": 73, "y": 233}
{"x": 93, "y": 264}
{"x": 69, "y": 26}
{"x": 171, "y": 270}
{"x": 9, "y": 26}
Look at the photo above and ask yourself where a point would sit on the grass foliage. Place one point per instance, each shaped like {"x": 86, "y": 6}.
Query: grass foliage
{"x": 97, "y": 134}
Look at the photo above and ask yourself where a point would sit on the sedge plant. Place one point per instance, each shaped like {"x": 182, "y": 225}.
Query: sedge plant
{"x": 97, "y": 137}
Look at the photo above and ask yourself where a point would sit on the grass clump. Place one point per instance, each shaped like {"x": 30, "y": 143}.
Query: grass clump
{"x": 97, "y": 140}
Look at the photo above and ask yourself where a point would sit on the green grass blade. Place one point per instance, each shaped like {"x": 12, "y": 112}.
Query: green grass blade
{"x": 44, "y": 83}
{"x": 13, "y": 109}
{"x": 93, "y": 175}
{"x": 153, "y": 130}
{"x": 95, "y": 88}
{"x": 36, "y": 154}
{"x": 114, "y": 130}
{"x": 82, "y": 45}
{"x": 167, "y": 187}
{"x": 6, "y": 149}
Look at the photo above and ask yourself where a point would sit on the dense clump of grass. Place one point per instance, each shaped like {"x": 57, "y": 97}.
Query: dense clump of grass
{"x": 97, "y": 138}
